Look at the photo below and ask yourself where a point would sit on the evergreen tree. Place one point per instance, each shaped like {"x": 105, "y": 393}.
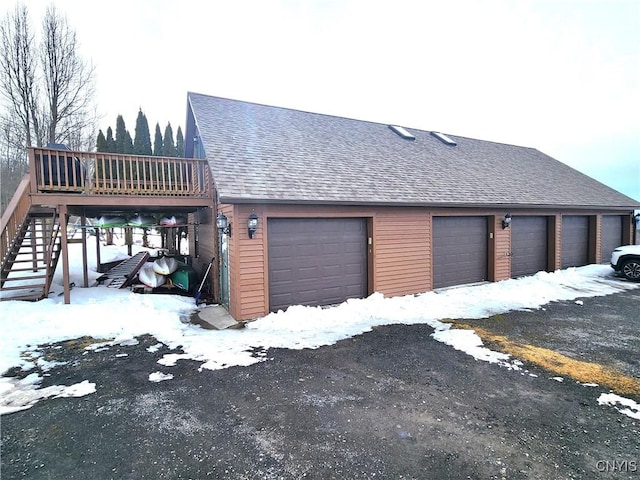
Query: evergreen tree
{"x": 142, "y": 140}
{"x": 101, "y": 142}
{"x": 179, "y": 143}
{"x": 127, "y": 145}
{"x": 111, "y": 143}
{"x": 121, "y": 135}
{"x": 168, "y": 147}
{"x": 157, "y": 142}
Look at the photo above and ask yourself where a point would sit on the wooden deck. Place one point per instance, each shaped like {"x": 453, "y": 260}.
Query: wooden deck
{"x": 93, "y": 181}
{"x": 91, "y": 184}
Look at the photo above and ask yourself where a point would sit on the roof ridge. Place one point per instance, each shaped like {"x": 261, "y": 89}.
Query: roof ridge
{"x": 291, "y": 109}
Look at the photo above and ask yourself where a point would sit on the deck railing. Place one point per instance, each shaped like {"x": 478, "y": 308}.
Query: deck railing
{"x": 56, "y": 171}
{"x": 14, "y": 216}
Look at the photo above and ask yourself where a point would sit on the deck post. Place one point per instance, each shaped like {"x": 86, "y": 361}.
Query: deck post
{"x": 97, "y": 232}
{"x": 85, "y": 267}
{"x": 65, "y": 253}
{"x": 128, "y": 240}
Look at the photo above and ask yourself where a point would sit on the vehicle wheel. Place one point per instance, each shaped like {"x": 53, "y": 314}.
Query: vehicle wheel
{"x": 631, "y": 269}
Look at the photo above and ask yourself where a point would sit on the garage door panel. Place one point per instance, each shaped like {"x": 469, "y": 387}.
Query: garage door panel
{"x": 459, "y": 250}
{"x": 529, "y": 245}
{"x": 611, "y": 235}
{"x": 331, "y": 249}
{"x": 307, "y": 273}
{"x": 316, "y": 261}
{"x": 575, "y": 240}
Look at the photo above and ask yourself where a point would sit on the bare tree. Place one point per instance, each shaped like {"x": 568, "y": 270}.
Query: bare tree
{"x": 68, "y": 81}
{"x": 18, "y": 66}
{"x": 47, "y": 90}
{"x": 14, "y": 163}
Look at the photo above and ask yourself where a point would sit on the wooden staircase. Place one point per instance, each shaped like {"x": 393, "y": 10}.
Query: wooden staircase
{"x": 31, "y": 247}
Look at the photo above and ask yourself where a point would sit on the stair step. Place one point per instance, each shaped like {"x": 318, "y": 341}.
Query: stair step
{"x": 24, "y": 297}
{"x": 28, "y": 277}
{"x": 37, "y": 269}
{"x": 35, "y": 286}
{"x": 31, "y": 256}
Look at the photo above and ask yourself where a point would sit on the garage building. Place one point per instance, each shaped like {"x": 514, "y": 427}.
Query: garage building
{"x": 315, "y": 209}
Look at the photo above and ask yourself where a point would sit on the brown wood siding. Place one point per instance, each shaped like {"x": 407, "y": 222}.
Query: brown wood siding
{"x": 502, "y": 252}
{"x": 402, "y": 252}
{"x": 251, "y": 265}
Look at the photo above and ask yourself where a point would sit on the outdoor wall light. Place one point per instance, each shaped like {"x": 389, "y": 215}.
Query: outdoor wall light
{"x": 506, "y": 221}
{"x": 252, "y": 224}
{"x": 223, "y": 224}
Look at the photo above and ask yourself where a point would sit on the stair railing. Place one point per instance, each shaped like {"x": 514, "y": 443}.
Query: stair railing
{"x": 14, "y": 216}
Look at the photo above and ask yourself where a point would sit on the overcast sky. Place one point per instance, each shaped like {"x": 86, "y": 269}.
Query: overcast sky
{"x": 562, "y": 76}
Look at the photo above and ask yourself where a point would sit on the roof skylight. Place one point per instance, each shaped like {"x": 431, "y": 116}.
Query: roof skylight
{"x": 444, "y": 139}
{"x": 402, "y": 132}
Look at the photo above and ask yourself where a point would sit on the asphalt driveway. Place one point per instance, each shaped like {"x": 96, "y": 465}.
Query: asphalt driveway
{"x": 391, "y": 403}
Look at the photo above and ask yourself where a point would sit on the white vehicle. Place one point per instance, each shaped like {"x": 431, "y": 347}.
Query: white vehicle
{"x": 626, "y": 260}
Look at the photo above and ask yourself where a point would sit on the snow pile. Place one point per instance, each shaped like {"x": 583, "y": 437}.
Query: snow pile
{"x": 159, "y": 377}
{"x": 632, "y": 408}
{"x": 118, "y": 316}
{"x": 22, "y": 394}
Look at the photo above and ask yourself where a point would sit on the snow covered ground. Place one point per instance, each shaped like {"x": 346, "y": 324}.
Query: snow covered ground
{"x": 120, "y": 316}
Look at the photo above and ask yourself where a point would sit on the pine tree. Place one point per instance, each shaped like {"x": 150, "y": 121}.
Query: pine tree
{"x": 168, "y": 147}
{"x": 121, "y": 135}
{"x": 179, "y": 143}
{"x": 111, "y": 143}
{"x": 142, "y": 140}
{"x": 127, "y": 145}
{"x": 157, "y": 142}
{"x": 101, "y": 142}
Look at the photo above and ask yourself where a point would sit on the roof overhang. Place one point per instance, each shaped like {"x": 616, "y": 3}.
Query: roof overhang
{"x": 486, "y": 206}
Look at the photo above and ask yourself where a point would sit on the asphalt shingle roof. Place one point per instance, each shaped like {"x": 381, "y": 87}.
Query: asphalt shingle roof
{"x": 260, "y": 153}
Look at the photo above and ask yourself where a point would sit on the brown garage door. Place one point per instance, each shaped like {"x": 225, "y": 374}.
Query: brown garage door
{"x": 459, "y": 250}
{"x": 529, "y": 245}
{"x": 575, "y": 240}
{"x": 320, "y": 261}
{"x": 611, "y": 235}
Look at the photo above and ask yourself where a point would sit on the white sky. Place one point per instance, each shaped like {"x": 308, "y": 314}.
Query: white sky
{"x": 559, "y": 76}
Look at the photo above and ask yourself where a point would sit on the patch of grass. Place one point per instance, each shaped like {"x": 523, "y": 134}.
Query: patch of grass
{"x": 83, "y": 342}
{"x": 584, "y": 372}
{"x": 51, "y": 353}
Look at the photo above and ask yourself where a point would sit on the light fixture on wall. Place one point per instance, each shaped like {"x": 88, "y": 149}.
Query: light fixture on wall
{"x": 506, "y": 221}
{"x": 252, "y": 224}
{"x": 223, "y": 225}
